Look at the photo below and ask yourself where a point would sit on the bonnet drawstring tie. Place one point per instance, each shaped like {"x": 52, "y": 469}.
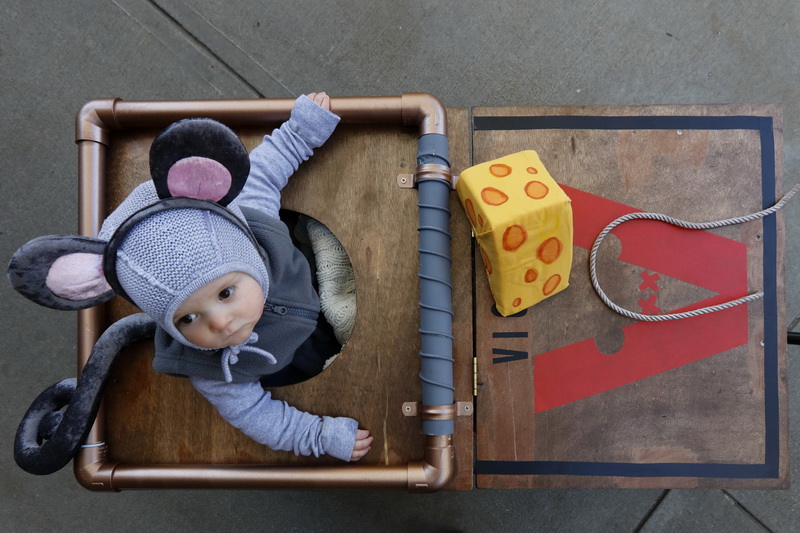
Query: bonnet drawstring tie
{"x": 230, "y": 355}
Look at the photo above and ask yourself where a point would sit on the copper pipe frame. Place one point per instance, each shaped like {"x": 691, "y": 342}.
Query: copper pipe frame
{"x": 93, "y": 468}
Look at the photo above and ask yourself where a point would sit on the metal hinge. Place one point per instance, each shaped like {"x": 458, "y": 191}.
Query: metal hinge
{"x": 474, "y": 377}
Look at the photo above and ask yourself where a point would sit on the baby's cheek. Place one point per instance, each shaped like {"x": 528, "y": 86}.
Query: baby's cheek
{"x": 256, "y": 304}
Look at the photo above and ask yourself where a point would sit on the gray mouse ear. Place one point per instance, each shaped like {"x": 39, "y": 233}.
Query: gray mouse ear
{"x": 62, "y": 272}
{"x": 199, "y": 158}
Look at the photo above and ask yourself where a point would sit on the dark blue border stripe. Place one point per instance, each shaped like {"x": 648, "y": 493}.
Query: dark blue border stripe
{"x": 770, "y": 250}
{"x": 770, "y": 468}
{"x": 617, "y": 123}
{"x": 569, "y": 468}
{"x": 510, "y": 335}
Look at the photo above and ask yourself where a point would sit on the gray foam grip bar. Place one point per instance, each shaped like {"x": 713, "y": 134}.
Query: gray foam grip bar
{"x": 436, "y": 314}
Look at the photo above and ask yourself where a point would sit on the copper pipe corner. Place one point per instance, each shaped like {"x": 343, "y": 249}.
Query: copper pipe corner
{"x": 93, "y": 470}
{"x": 425, "y": 110}
{"x": 95, "y": 119}
{"x": 438, "y": 467}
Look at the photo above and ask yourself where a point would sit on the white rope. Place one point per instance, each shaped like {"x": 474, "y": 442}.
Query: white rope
{"x": 687, "y": 225}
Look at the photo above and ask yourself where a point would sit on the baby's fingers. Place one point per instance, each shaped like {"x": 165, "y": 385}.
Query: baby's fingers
{"x": 362, "y": 445}
{"x": 321, "y": 99}
{"x": 358, "y": 454}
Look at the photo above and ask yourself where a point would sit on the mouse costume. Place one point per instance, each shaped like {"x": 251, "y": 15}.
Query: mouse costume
{"x": 159, "y": 246}
{"x": 164, "y": 258}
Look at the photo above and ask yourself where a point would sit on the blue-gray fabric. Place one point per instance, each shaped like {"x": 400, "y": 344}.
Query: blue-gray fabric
{"x": 276, "y": 424}
{"x": 279, "y": 155}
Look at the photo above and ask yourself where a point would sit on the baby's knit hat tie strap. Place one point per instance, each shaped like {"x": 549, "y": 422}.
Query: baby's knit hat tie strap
{"x": 230, "y": 355}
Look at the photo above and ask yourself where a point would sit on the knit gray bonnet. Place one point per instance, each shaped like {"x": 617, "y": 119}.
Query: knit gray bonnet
{"x": 170, "y": 254}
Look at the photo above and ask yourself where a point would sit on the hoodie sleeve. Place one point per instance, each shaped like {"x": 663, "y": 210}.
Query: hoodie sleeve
{"x": 280, "y": 154}
{"x": 276, "y": 424}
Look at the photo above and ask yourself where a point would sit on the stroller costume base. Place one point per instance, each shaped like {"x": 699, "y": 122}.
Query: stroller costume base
{"x": 155, "y": 431}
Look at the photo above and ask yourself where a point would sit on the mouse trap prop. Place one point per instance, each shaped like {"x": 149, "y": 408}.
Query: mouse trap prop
{"x": 565, "y": 393}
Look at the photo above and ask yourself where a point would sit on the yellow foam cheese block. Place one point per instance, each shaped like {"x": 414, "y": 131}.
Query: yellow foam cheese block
{"x": 523, "y": 223}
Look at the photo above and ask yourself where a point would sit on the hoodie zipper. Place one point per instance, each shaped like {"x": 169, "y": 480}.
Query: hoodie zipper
{"x": 292, "y": 311}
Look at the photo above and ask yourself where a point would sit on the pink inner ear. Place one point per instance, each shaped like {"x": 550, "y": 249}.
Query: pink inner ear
{"x": 77, "y": 277}
{"x": 200, "y": 178}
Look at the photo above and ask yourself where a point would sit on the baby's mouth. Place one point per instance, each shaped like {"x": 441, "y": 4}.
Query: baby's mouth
{"x": 240, "y": 335}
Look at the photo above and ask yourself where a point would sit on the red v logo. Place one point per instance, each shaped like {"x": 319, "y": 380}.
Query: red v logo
{"x": 579, "y": 370}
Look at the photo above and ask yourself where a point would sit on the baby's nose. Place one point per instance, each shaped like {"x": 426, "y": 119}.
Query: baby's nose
{"x": 220, "y": 321}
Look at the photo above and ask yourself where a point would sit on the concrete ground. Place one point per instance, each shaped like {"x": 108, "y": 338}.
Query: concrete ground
{"x": 54, "y": 56}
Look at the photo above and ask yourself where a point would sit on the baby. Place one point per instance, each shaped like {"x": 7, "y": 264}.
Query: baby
{"x": 232, "y": 295}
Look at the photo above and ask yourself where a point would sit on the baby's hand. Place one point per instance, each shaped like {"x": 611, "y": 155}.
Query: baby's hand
{"x": 321, "y": 99}
{"x": 363, "y": 441}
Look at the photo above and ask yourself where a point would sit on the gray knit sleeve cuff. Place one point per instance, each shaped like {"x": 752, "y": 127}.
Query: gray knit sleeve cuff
{"x": 313, "y": 123}
{"x": 339, "y": 437}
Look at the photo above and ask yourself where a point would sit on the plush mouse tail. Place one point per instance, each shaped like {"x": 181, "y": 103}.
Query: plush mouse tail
{"x": 48, "y": 438}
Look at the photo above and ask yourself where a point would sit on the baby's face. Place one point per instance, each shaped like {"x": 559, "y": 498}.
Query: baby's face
{"x": 221, "y": 313}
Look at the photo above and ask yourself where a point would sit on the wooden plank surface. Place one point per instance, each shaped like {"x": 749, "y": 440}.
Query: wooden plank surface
{"x": 349, "y": 185}
{"x": 575, "y": 395}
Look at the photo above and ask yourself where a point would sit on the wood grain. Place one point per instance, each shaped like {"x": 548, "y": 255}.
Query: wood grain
{"x": 708, "y": 411}
{"x": 349, "y": 185}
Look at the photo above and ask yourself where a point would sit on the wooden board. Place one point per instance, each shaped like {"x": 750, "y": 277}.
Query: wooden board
{"x": 350, "y": 185}
{"x": 571, "y": 394}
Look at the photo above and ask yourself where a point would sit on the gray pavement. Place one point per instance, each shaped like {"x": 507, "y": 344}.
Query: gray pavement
{"x": 54, "y": 56}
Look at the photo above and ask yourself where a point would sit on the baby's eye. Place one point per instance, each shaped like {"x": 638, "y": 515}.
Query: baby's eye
{"x": 187, "y": 319}
{"x": 226, "y": 293}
